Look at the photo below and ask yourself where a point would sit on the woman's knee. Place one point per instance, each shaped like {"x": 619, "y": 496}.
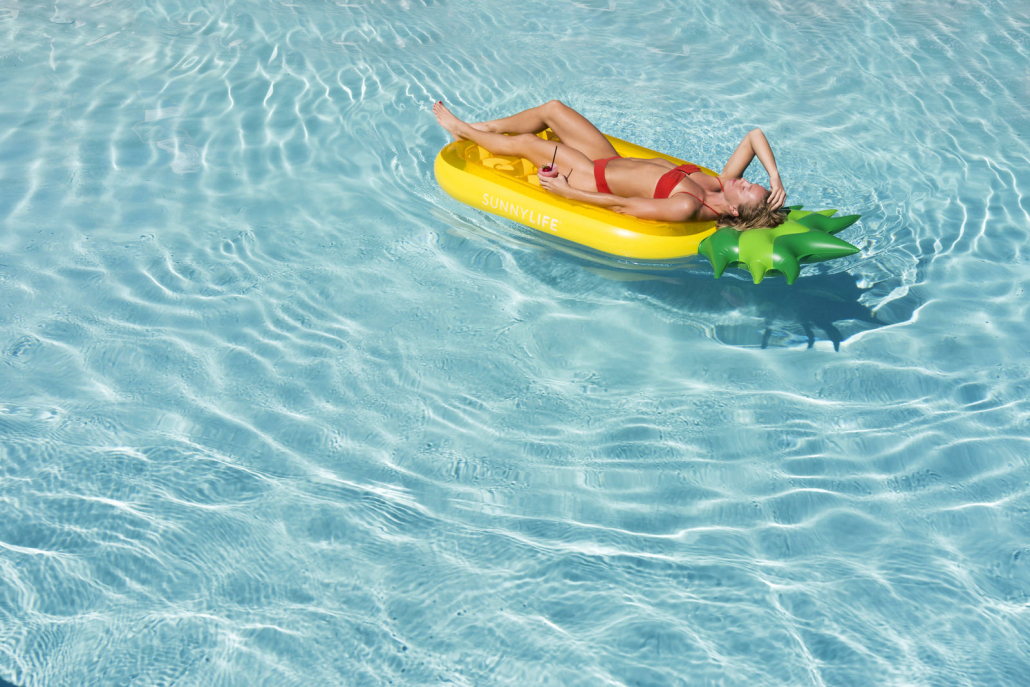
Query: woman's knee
{"x": 555, "y": 105}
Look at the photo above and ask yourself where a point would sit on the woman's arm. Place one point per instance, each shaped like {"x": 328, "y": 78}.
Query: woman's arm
{"x": 755, "y": 143}
{"x": 679, "y": 208}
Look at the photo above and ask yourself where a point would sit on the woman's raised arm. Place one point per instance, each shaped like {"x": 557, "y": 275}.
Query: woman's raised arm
{"x": 755, "y": 143}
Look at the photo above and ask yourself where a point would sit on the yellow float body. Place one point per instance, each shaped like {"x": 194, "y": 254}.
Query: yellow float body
{"x": 507, "y": 186}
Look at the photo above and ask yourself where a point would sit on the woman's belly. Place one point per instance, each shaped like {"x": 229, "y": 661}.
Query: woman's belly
{"x": 635, "y": 178}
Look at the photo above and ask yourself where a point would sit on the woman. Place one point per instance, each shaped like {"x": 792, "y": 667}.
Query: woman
{"x": 652, "y": 189}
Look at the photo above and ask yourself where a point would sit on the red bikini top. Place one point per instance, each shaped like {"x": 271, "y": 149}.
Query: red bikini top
{"x": 673, "y": 177}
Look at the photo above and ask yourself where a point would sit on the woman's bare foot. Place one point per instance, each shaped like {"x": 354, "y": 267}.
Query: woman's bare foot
{"x": 448, "y": 121}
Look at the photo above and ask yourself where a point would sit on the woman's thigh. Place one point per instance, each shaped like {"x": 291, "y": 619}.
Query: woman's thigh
{"x": 576, "y": 131}
{"x": 567, "y": 159}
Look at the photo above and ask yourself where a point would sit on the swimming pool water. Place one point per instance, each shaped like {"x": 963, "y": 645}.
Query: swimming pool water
{"x": 274, "y": 410}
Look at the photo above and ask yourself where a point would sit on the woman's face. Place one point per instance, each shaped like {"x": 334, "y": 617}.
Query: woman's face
{"x": 741, "y": 191}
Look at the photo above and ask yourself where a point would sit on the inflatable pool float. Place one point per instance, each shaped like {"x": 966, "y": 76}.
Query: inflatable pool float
{"x": 507, "y": 186}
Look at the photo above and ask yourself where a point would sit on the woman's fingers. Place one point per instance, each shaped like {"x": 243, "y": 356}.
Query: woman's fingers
{"x": 553, "y": 184}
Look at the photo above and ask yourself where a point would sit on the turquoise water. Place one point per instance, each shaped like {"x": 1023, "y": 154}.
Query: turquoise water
{"x": 274, "y": 410}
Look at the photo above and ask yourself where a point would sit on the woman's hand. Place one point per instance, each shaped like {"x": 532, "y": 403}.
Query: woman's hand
{"x": 558, "y": 185}
{"x": 777, "y": 195}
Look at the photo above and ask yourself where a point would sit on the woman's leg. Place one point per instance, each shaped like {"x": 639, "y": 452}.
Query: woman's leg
{"x": 572, "y": 128}
{"x": 527, "y": 145}
{"x": 516, "y": 124}
{"x": 529, "y": 121}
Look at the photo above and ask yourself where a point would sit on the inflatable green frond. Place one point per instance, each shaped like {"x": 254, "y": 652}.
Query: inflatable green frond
{"x": 822, "y": 221}
{"x": 804, "y": 238}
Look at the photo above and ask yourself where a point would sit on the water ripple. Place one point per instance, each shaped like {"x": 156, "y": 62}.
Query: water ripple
{"x": 272, "y": 405}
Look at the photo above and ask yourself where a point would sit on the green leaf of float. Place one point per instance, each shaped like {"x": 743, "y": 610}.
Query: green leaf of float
{"x": 758, "y": 251}
{"x": 796, "y": 212}
{"x": 804, "y": 238}
{"x": 831, "y": 225}
{"x": 810, "y": 246}
{"x": 722, "y": 249}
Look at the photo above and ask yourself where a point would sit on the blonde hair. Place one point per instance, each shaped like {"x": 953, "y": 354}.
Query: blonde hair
{"x": 754, "y": 215}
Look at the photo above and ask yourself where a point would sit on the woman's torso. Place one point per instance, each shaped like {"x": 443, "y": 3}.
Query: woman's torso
{"x": 632, "y": 177}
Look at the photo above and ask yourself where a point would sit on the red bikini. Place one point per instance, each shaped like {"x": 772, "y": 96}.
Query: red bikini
{"x": 664, "y": 186}
{"x": 599, "y": 165}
